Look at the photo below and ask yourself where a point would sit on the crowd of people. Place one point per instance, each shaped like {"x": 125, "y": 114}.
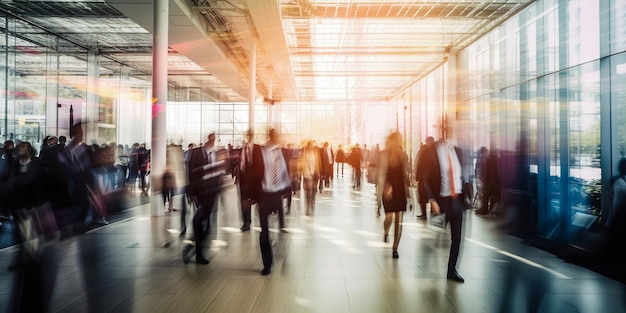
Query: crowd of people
{"x": 70, "y": 178}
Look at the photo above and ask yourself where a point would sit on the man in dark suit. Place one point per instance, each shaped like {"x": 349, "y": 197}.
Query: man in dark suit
{"x": 272, "y": 181}
{"x": 246, "y": 175}
{"x": 355, "y": 161}
{"x": 205, "y": 171}
{"x": 326, "y": 158}
{"x": 443, "y": 183}
{"x": 420, "y": 166}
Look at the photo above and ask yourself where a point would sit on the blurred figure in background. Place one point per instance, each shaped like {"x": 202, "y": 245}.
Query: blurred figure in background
{"x": 143, "y": 159}
{"x": 367, "y": 156}
{"x": 6, "y": 162}
{"x": 326, "y": 165}
{"x": 77, "y": 166}
{"x": 186, "y": 196}
{"x": 490, "y": 178}
{"x": 340, "y": 159}
{"x": 393, "y": 182}
{"x": 168, "y": 184}
{"x": 420, "y": 168}
{"x": 133, "y": 166}
{"x": 355, "y": 161}
{"x": 25, "y": 186}
{"x": 309, "y": 167}
{"x": 121, "y": 167}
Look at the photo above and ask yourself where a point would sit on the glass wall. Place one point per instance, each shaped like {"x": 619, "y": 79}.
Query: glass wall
{"x": 49, "y": 83}
{"x": 538, "y": 81}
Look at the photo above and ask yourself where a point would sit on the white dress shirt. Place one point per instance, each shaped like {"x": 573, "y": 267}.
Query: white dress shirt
{"x": 446, "y": 155}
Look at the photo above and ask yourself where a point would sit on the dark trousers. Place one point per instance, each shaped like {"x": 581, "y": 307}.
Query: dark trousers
{"x": 201, "y": 222}
{"x": 453, "y": 208}
{"x": 268, "y": 203}
{"x": 340, "y": 165}
{"x": 422, "y": 196}
{"x": 183, "y": 211}
{"x": 491, "y": 195}
{"x": 357, "y": 177}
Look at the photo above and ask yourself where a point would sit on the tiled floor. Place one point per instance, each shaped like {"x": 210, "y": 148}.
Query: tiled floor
{"x": 334, "y": 261}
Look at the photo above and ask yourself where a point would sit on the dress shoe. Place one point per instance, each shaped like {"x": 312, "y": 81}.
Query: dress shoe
{"x": 394, "y": 254}
{"x": 455, "y": 276}
{"x": 245, "y": 227}
{"x": 386, "y": 238}
{"x": 266, "y": 271}
{"x": 422, "y": 217}
{"x": 201, "y": 260}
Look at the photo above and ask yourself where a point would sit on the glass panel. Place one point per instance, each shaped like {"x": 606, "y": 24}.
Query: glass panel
{"x": 618, "y": 120}
{"x": 618, "y": 25}
{"x": 553, "y": 212}
{"x": 584, "y": 132}
{"x": 584, "y": 31}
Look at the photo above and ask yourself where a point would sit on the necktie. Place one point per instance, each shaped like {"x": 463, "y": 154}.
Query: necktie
{"x": 453, "y": 192}
{"x": 244, "y": 159}
{"x": 276, "y": 168}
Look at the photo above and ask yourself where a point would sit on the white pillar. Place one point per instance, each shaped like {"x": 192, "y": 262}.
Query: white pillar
{"x": 252, "y": 100}
{"x": 89, "y": 113}
{"x": 159, "y": 101}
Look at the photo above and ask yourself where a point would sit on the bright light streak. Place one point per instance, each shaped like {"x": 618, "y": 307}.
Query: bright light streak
{"x": 295, "y": 230}
{"x": 219, "y": 243}
{"x": 377, "y": 244}
{"x": 519, "y": 258}
{"x": 327, "y": 229}
{"x": 366, "y": 233}
{"x": 231, "y": 229}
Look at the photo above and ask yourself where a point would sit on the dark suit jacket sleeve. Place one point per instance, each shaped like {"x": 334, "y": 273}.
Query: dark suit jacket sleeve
{"x": 195, "y": 160}
{"x": 432, "y": 172}
{"x": 258, "y": 170}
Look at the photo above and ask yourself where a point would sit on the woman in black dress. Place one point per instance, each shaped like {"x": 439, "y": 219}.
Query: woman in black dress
{"x": 393, "y": 186}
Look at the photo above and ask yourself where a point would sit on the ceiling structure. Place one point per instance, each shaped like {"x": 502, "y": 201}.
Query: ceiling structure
{"x": 306, "y": 50}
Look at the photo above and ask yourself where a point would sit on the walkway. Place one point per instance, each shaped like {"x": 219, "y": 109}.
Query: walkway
{"x": 335, "y": 261}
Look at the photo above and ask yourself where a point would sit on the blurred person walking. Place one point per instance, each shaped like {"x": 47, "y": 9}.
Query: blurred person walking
{"x": 393, "y": 185}
{"x": 246, "y": 174}
{"x": 420, "y": 167}
{"x": 309, "y": 166}
{"x": 355, "y": 161}
{"x": 443, "y": 182}
{"x": 272, "y": 182}
{"x": 186, "y": 199}
{"x": 326, "y": 165}
{"x": 490, "y": 178}
{"x": 81, "y": 183}
{"x": 205, "y": 171}
{"x": 340, "y": 159}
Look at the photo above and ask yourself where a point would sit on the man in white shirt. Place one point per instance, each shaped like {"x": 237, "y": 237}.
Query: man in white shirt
{"x": 443, "y": 183}
{"x": 273, "y": 180}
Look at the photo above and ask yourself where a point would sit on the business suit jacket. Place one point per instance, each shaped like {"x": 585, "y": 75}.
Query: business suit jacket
{"x": 432, "y": 170}
{"x": 205, "y": 177}
{"x": 250, "y": 179}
